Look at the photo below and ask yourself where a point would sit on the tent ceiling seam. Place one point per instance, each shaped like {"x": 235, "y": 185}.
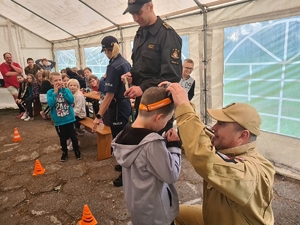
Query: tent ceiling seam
{"x": 15, "y": 23}
{"x": 100, "y": 14}
{"x": 43, "y": 18}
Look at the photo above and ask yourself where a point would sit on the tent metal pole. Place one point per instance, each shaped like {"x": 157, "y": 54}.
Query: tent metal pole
{"x": 122, "y": 41}
{"x": 53, "y": 54}
{"x": 209, "y": 9}
{"x": 79, "y": 54}
{"x": 205, "y": 61}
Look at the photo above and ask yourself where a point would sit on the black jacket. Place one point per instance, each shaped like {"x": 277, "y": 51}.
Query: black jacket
{"x": 156, "y": 55}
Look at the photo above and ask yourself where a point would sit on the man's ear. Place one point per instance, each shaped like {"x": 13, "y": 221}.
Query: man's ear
{"x": 245, "y": 134}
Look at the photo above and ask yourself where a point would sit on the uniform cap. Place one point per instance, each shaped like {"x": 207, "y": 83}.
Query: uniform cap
{"x": 108, "y": 42}
{"x": 241, "y": 113}
{"x": 135, "y": 6}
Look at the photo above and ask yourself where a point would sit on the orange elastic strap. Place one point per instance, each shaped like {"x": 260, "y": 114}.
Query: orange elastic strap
{"x": 155, "y": 105}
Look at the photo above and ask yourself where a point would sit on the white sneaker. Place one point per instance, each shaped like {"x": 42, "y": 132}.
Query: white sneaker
{"x": 25, "y": 115}
{"x": 70, "y": 146}
{"x": 29, "y": 118}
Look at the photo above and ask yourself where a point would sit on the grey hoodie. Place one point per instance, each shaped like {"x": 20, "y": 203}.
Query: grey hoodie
{"x": 150, "y": 169}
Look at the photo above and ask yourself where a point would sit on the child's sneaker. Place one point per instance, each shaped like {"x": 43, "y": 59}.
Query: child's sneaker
{"x": 43, "y": 115}
{"x": 25, "y": 115}
{"x": 64, "y": 157}
{"x": 29, "y": 118}
{"x": 19, "y": 116}
{"x": 70, "y": 145}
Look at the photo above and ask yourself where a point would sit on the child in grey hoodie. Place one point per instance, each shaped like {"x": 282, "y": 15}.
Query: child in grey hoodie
{"x": 150, "y": 162}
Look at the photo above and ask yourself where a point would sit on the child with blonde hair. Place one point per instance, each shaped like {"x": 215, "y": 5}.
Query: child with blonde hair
{"x": 60, "y": 101}
{"x": 79, "y": 103}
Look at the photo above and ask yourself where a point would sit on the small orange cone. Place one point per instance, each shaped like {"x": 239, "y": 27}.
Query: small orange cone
{"x": 87, "y": 217}
{"x": 17, "y": 136}
{"x": 38, "y": 169}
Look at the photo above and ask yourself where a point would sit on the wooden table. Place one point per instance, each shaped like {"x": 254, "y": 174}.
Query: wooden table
{"x": 93, "y": 94}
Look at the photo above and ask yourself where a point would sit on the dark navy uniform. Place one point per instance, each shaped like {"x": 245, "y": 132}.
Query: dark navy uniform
{"x": 156, "y": 55}
{"x": 120, "y": 108}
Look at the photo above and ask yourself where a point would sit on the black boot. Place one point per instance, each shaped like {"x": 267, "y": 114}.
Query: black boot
{"x": 64, "y": 156}
{"x": 118, "y": 182}
{"x": 78, "y": 155}
{"x": 118, "y": 168}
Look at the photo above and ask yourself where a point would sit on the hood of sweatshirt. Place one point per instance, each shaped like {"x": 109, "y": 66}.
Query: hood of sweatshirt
{"x": 128, "y": 143}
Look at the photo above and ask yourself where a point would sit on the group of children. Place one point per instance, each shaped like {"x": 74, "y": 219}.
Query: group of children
{"x": 139, "y": 149}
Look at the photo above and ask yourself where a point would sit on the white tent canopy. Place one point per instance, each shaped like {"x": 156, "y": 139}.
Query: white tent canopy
{"x": 41, "y": 28}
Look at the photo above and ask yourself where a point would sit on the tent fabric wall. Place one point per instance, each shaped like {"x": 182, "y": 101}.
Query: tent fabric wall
{"x": 280, "y": 149}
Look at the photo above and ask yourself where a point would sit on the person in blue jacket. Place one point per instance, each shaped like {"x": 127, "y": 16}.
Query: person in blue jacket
{"x": 115, "y": 103}
{"x": 60, "y": 100}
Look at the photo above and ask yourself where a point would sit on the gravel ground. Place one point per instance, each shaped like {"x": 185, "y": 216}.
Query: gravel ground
{"x": 59, "y": 195}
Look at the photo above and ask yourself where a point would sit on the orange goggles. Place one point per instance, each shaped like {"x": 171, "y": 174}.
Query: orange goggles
{"x": 155, "y": 105}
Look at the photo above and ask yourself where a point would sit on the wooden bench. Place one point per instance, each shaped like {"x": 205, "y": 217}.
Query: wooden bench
{"x": 104, "y": 138}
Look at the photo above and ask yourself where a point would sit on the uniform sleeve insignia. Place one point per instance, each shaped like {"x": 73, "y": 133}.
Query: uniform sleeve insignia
{"x": 167, "y": 26}
{"x": 226, "y": 158}
{"x": 175, "y": 53}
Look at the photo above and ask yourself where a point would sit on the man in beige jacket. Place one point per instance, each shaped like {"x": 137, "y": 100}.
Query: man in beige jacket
{"x": 237, "y": 179}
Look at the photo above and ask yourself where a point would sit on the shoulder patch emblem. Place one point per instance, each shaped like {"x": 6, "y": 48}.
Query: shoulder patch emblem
{"x": 167, "y": 26}
{"x": 175, "y": 53}
{"x": 226, "y": 158}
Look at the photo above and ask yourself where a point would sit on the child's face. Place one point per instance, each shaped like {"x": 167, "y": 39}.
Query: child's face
{"x": 40, "y": 77}
{"x": 29, "y": 79}
{"x": 73, "y": 87}
{"x": 20, "y": 79}
{"x": 93, "y": 83}
{"x": 87, "y": 73}
{"x": 161, "y": 121}
{"x": 65, "y": 80}
{"x": 56, "y": 81}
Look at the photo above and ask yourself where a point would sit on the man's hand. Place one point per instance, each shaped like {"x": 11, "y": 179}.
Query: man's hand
{"x": 128, "y": 75}
{"x": 179, "y": 95}
{"x": 133, "y": 92}
{"x": 96, "y": 122}
{"x": 172, "y": 135}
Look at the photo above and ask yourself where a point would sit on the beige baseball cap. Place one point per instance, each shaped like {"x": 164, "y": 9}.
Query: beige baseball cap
{"x": 241, "y": 113}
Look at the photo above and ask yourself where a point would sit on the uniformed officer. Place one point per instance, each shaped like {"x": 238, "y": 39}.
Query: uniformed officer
{"x": 187, "y": 82}
{"x": 156, "y": 53}
{"x": 237, "y": 179}
{"x": 119, "y": 107}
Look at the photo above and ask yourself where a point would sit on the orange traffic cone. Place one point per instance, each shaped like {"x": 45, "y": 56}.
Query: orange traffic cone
{"x": 38, "y": 169}
{"x": 87, "y": 217}
{"x": 17, "y": 136}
